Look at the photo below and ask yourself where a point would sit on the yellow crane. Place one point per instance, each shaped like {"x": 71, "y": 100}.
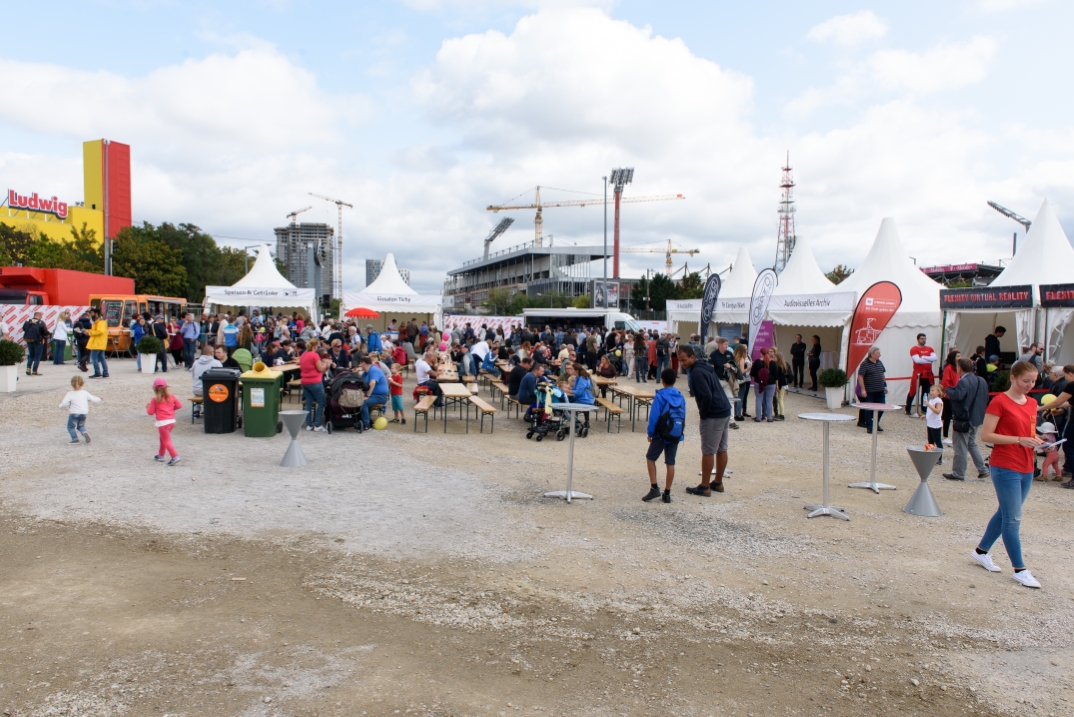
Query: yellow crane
{"x": 668, "y": 251}
{"x": 538, "y": 222}
{"x": 295, "y": 213}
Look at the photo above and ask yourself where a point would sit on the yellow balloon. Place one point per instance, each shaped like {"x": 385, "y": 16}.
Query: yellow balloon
{"x": 1047, "y": 398}
{"x": 381, "y": 423}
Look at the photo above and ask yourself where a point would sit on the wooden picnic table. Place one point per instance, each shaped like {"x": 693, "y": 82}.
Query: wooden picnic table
{"x": 456, "y": 394}
{"x": 638, "y": 397}
{"x": 603, "y": 381}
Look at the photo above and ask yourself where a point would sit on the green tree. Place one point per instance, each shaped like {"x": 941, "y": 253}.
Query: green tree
{"x": 79, "y": 253}
{"x": 155, "y": 267}
{"x": 839, "y": 273}
{"x": 660, "y": 290}
{"x": 15, "y": 245}
{"x": 581, "y": 302}
{"x": 692, "y": 286}
{"x": 205, "y": 262}
{"x": 638, "y": 294}
{"x": 498, "y": 301}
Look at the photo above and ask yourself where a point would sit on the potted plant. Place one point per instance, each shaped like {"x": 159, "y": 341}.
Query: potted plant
{"x": 834, "y": 381}
{"x": 149, "y": 347}
{"x": 11, "y": 355}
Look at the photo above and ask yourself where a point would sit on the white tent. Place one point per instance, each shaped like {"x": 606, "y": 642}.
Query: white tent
{"x": 806, "y": 302}
{"x": 263, "y": 286}
{"x": 918, "y": 313}
{"x": 733, "y": 304}
{"x": 390, "y": 294}
{"x": 1045, "y": 257}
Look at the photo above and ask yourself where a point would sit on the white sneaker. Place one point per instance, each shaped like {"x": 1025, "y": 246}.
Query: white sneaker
{"x": 319, "y": 428}
{"x": 948, "y": 442}
{"x": 985, "y": 561}
{"x": 1026, "y": 578}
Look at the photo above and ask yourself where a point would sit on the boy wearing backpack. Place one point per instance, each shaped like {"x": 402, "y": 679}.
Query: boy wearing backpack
{"x": 667, "y": 419}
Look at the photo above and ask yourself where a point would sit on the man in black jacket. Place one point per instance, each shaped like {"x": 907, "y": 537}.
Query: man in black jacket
{"x": 514, "y": 379}
{"x": 160, "y": 330}
{"x": 81, "y": 330}
{"x": 36, "y": 335}
{"x": 969, "y": 399}
{"x": 715, "y": 414}
{"x": 723, "y": 363}
{"x": 798, "y": 349}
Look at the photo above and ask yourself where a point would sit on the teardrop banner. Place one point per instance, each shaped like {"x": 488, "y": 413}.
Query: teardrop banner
{"x": 708, "y": 304}
{"x": 762, "y": 294}
{"x": 875, "y": 308}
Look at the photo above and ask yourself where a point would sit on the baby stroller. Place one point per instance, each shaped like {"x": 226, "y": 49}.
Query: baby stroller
{"x": 344, "y": 409}
{"x": 541, "y": 417}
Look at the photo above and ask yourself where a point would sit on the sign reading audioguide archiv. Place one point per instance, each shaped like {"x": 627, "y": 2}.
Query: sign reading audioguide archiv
{"x": 1057, "y": 295}
{"x": 985, "y": 297}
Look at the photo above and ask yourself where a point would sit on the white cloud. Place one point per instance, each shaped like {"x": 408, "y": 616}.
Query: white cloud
{"x": 1001, "y": 5}
{"x": 849, "y": 30}
{"x": 943, "y": 67}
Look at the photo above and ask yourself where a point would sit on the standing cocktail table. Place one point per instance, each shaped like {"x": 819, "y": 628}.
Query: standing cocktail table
{"x": 294, "y": 457}
{"x": 572, "y": 409}
{"x": 876, "y": 408}
{"x": 826, "y": 508}
{"x": 922, "y": 502}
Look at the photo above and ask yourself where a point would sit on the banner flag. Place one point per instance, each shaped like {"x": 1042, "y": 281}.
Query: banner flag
{"x": 762, "y": 294}
{"x": 875, "y": 309}
{"x": 708, "y": 304}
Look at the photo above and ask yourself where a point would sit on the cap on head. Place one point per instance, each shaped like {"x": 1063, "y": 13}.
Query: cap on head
{"x": 160, "y": 383}
{"x": 1046, "y": 427}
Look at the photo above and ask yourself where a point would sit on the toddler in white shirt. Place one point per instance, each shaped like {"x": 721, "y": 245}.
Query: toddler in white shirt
{"x": 78, "y": 402}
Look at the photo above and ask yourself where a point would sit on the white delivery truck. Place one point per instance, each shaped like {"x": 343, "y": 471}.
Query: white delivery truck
{"x": 579, "y": 318}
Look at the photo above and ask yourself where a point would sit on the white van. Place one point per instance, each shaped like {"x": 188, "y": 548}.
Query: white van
{"x": 577, "y": 318}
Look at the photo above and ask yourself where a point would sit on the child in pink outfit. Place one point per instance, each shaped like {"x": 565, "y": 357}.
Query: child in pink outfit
{"x": 1051, "y": 455}
{"x": 163, "y": 406}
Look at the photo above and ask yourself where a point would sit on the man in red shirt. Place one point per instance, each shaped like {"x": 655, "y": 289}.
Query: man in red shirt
{"x": 921, "y": 381}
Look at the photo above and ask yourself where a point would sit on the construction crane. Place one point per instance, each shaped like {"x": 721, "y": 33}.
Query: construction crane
{"x": 1011, "y": 215}
{"x": 668, "y": 251}
{"x": 538, "y": 222}
{"x": 500, "y": 229}
{"x": 295, "y": 213}
{"x": 337, "y": 255}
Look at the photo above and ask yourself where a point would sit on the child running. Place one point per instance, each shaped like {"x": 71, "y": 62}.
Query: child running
{"x": 395, "y": 388}
{"x": 163, "y": 406}
{"x": 934, "y": 418}
{"x": 78, "y": 401}
{"x": 667, "y": 419}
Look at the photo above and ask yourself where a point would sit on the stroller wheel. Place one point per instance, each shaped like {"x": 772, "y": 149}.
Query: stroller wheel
{"x": 328, "y": 427}
{"x": 529, "y": 434}
{"x": 585, "y": 432}
{"x": 540, "y": 438}
{"x": 560, "y": 435}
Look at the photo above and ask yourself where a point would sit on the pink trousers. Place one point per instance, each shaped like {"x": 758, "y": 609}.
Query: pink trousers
{"x": 166, "y": 440}
{"x": 1051, "y": 458}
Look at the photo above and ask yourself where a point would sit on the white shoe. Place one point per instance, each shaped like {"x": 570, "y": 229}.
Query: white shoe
{"x": 319, "y": 428}
{"x": 1026, "y": 578}
{"x": 948, "y": 442}
{"x": 985, "y": 561}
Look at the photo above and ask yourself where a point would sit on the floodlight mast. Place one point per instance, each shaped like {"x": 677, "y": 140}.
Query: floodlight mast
{"x": 620, "y": 178}
{"x": 1011, "y": 215}
{"x": 500, "y": 229}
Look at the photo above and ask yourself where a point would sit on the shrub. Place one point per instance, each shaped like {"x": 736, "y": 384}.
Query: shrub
{"x": 832, "y": 378}
{"x": 11, "y": 353}
{"x": 150, "y": 345}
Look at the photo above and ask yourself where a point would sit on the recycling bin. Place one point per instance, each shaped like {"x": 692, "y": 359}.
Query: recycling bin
{"x": 261, "y": 403}
{"x": 220, "y": 388}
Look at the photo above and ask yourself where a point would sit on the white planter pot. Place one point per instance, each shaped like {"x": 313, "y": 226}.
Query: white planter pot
{"x": 834, "y": 396}
{"x": 148, "y": 360}
{"x": 9, "y": 378}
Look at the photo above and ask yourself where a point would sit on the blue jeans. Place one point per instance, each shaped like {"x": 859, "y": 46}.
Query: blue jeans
{"x": 874, "y": 397}
{"x": 377, "y": 399}
{"x": 59, "y": 348}
{"x": 764, "y": 402}
{"x": 1012, "y": 489}
{"x": 76, "y": 421}
{"x": 311, "y": 393}
{"x": 661, "y": 364}
{"x": 100, "y": 364}
{"x": 188, "y": 352}
{"x": 640, "y": 367}
{"x": 34, "y": 349}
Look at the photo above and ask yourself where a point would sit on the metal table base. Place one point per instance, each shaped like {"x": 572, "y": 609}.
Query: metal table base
{"x": 294, "y": 457}
{"x": 572, "y": 409}
{"x": 826, "y": 508}
{"x": 871, "y": 484}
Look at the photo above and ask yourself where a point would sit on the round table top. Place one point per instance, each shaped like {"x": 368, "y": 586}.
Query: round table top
{"x": 574, "y": 407}
{"x": 826, "y": 417}
{"x": 875, "y": 406}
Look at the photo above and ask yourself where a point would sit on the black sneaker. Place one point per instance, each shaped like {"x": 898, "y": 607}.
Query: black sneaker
{"x": 984, "y": 474}
{"x": 952, "y": 476}
{"x": 1068, "y": 484}
{"x": 734, "y": 426}
{"x": 653, "y": 493}
{"x": 667, "y": 496}
{"x": 717, "y": 487}
{"x": 702, "y": 490}
{"x": 86, "y": 436}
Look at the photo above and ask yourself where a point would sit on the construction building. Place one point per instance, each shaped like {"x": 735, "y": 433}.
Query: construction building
{"x": 373, "y": 267}
{"x": 528, "y": 268}
{"x": 306, "y": 251}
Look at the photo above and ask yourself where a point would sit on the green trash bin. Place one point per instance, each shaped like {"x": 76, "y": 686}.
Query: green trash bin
{"x": 261, "y": 403}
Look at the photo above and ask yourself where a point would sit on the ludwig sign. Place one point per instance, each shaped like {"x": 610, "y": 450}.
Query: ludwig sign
{"x": 34, "y": 203}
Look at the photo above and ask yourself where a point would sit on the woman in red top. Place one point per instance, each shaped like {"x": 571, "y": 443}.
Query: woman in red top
{"x": 949, "y": 380}
{"x": 1011, "y": 426}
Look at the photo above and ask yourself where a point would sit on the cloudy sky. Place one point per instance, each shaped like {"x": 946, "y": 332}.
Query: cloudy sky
{"x": 423, "y": 112}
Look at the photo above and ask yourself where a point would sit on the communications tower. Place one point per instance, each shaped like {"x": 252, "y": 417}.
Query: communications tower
{"x": 785, "y": 239}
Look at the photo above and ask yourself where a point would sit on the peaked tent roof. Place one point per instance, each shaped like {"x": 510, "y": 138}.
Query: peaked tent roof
{"x": 389, "y": 280}
{"x": 264, "y": 274}
{"x": 740, "y": 279}
{"x": 802, "y": 275}
{"x": 1045, "y": 256}
{"x": 888, "y": 261}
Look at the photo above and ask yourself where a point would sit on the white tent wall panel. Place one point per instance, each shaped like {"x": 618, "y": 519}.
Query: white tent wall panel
{"x": 830, "y": 343}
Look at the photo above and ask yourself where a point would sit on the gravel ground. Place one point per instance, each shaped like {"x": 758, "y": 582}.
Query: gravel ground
{"x": 446, "y": 540}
